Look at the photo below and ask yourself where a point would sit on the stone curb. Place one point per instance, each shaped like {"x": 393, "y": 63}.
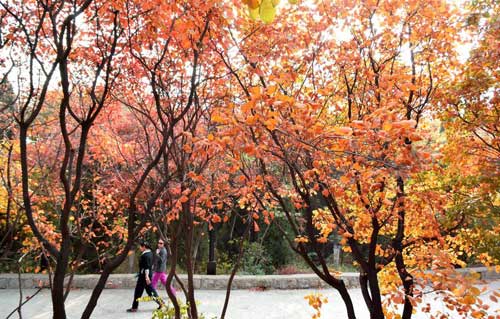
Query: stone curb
{"x": 206, "y": 282}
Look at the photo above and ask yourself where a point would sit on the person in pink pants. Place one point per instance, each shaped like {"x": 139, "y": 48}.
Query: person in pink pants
{"x": 160, "y": 266}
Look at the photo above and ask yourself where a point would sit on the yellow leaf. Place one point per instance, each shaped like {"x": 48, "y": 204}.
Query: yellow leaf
{"x": 345, "y": 180}
{"x": 218, "y": 119}
{"x": 255, "y": 91}
{"x": 267, "y": 11}
{"x": 251, "y": 120}
{"x": 271, "y": 89}
{"x": 254, "y": 13}
{"x": 475, "y": 291}
{"x": 469, "y": 300}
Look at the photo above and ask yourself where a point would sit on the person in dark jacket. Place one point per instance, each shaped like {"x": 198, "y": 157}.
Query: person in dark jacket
{"x": 144, "y": 276}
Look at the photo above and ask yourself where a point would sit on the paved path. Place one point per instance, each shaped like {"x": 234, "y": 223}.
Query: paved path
{"x": 244, "y": 304}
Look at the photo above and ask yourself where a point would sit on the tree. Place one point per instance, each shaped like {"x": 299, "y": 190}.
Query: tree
{"x": 48, "y": 33}
{"x": 471, "y": 124}
{"x": 343, "y": 118}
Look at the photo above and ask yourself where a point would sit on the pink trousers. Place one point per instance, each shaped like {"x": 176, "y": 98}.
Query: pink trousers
{"x": 161, "y": 276}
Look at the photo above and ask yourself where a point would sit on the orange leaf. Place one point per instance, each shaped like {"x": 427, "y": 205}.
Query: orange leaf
{"x": 343, "y": 130}
{"x": 256, "y": 227}
{"x": 216, "y": 218}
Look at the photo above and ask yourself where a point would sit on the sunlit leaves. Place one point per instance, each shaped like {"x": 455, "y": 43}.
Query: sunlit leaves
{"x": 263, "y": 9}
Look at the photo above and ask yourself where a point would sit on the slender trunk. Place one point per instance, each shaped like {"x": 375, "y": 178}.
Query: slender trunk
{"x": 188, "y": 218}
{"x": 407, "y": 280}
{"x": 20, "y": 291}
{"x": 196, "y": 248}
{"x": 9, "y": 227}
{"x": 363, "y": 282}
{"x": 171, "y": 274}
{"x": 235, "y": 268}
{"x": 72, "y": 274}
{"x": 328, "y": 278}
{"x": 96, "y": 293}
{"x": 404, "y": 275}
{"x": 346, "y": 298}
{"x": 107, "y": 270}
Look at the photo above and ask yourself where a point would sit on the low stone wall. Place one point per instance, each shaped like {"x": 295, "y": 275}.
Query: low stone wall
{"x": 118, "y": 281}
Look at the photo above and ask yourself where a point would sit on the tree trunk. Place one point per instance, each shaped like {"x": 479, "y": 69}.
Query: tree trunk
{"x": 363, "y": 282}
{"x": 346, "y": 298}
{"x": 188, "y": 218}
{"x": 235, "y": 268}
{"x": 96, "y": 293}
{"x": 58, "y": 288}
{"x": 173, "y": 260}
{"x": 376, "y": 311}
{"x": 107, "y": 270}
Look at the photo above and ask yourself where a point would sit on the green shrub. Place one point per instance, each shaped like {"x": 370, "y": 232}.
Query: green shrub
{"x": 256, "y": 260}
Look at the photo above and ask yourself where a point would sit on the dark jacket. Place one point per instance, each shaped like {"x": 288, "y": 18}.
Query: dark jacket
{"x": 146, "y": 262}
{"x": 160, "y": 264}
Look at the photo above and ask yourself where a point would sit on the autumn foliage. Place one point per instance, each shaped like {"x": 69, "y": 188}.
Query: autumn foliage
{"x": 357, "y": 121}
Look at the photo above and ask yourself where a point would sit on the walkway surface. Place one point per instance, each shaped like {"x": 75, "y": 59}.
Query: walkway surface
{"x": 244, "y": 304}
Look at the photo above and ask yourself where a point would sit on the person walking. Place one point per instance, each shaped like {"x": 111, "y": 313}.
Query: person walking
{"x": 144, "y": 276}
{"x": 160, "y": 266}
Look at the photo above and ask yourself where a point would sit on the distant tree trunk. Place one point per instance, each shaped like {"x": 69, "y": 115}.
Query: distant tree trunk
{"x": 245, "y": 236}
